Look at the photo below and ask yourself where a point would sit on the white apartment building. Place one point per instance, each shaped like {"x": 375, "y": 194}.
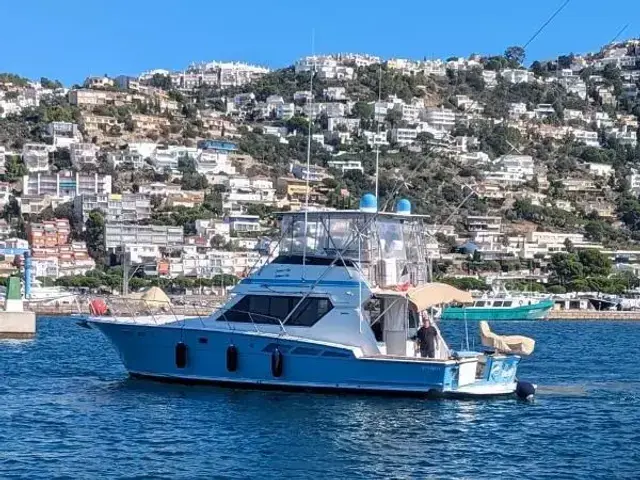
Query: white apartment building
{"x": 490, "y": 78}
{"x": 5, "y": 193}
{"x": 335, "y": 94}
{"x": 213, "y": 162}
{"x": 242, "y": 190}
{"x": 440, "y": 118}
{"x": 474, "y": 158}
{"x": 36, "y": 156}
{"x": 624, "y": 136}
{"x": 3, "y": 159}
{"x": 433, "y": 67}
{"x": 125, "y": 207}
{"x": 517, "y": 110}
{"x": 303, "y": 96}
{"x": 313, "y": 110}
{"x": 517, "y": 75}
{"x": 98, "y": 82}
{"x": 133, "y": 159}
{"x": 219, "y": 74}
{"x": 404, "y": 136}
{"x": 120, "y": 234}
{"x": 375, "y": 139}
{"x": 350, "y": 124}
{"x": 587, "y": 137}
{"x": 520, "y": 164}
{"x": 66, "y": 184}
{"x": 214, "y": 262}
{"x": 83, "y": 154}
{"x": 544, "y": 110}
{"x": 140, "y": 254}
{"x": 545, "y": 238}
{"x": 208, "y": 228}
{"x": 326, "y": 67}
{"x": 97, "y": 124}
{"x": 634, "y": 181}
{"x": 241, "y": 224}
{"x": 170, "y": 156}
{"x": 574, "y": 85}
{"x": 571, "y": 114}
{"x": 345, "y": 165}
{"x": 237, "y": 182}
{"x": 285, "y": 111}
{"x": 504, "y": 179}
{"x": 410, "y": 113}
{"x": 262, "y": 183}
{"x": 63, "y": 133}
{"x": 601, "y": 119}
{"x": 159, "y": 188}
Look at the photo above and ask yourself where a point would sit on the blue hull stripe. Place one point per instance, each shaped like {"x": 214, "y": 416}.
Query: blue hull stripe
{"x": 296, "y": 283}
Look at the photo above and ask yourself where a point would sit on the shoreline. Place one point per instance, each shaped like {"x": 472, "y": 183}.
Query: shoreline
{"x": 592, "y": 315}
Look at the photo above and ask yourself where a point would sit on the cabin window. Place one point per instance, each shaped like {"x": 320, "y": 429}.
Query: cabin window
{"x": 272, "y": 310}
{"x": 498, "y": 303}
{"x": 507, "y": 303}
{"x": 479, "y": 304}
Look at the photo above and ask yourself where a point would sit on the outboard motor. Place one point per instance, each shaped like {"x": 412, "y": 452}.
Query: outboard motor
{"x": 525, "y": 391}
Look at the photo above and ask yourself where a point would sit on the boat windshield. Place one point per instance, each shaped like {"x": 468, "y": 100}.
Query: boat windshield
{"x": 389, "y": 247}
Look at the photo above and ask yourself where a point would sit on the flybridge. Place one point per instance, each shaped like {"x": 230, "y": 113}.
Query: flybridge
{"x": 389, "y": 247}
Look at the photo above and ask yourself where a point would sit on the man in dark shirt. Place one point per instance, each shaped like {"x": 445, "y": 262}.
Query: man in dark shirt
{"x": 426, "y": 337}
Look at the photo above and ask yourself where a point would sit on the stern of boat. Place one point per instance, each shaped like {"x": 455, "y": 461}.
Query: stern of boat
{"x": 483, "y": 375}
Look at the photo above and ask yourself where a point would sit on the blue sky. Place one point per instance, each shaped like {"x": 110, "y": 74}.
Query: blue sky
{"x": 71, "y": 39}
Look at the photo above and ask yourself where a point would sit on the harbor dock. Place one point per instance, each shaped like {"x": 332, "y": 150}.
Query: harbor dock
{"x": 593, "y": 315}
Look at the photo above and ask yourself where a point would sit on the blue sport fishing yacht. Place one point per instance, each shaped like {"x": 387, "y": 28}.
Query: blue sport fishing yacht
{"x": 335, "y": 310}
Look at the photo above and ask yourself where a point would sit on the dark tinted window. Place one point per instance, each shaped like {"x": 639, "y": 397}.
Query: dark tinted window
{"x": 269, "y": 309}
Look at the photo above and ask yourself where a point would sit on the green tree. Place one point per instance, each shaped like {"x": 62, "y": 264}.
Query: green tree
{"x": 62, "y": 159}
{"x": 50, "y": 84}
{"x": 515, "y": 55}
{"x": 363, "y": 110}
{"x": 394, "y": 117}
{"x": 298, "y": 124}
{"x": 159, "y": 80}
{"x": 193, "y": 181}
{"x": 15, "y": 168}
{"x": 565, "y": 268}
{"x": 594, "y": 262}
{"x": 94, "y": 235}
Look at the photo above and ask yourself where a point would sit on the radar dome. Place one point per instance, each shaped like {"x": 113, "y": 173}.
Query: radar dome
{"x": 403, "y": 207}
{"x": 368, "y": 203}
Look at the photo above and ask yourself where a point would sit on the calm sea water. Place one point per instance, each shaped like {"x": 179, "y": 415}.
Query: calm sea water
{"x": 68, "y": 410}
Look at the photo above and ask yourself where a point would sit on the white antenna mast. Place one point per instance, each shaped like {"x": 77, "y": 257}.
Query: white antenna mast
{"x": 308, "y": 171}
{"x": 378, "y": 132}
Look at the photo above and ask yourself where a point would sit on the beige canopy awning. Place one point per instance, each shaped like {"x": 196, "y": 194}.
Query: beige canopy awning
{"x": 155, "y": 298}
{"x": 432, "y": 294}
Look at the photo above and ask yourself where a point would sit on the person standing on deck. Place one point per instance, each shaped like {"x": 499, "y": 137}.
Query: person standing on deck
{"x": 426, "y": 337}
